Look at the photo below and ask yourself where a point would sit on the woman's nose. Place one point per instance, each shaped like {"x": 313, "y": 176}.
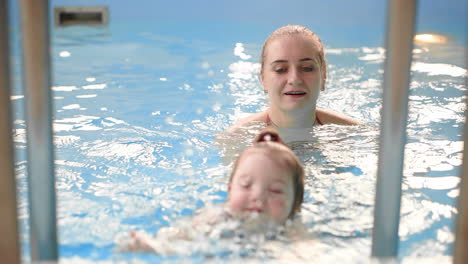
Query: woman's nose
{"x": 294, "y": 78}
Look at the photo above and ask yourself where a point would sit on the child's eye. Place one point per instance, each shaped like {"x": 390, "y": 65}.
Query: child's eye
{"x": 245, "y": 184}
{"x": 277, "y": 191}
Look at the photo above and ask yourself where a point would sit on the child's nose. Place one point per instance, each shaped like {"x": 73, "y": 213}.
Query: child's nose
{"x": 259, "y": 204}
{"x": 259, "y": 198}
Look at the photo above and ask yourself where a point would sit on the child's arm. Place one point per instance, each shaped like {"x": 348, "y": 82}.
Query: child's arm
{"x": 164, "y": 241}
{"x": 139, "y": 242}
{"x": 161, "y": 244}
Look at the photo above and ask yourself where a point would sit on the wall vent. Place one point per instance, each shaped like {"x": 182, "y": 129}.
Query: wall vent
{"x": 81, "y": 15}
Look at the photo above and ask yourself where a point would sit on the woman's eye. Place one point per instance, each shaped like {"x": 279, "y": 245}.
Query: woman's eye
{"x": 280, "y": 70}
{"x": 308, "y": 69}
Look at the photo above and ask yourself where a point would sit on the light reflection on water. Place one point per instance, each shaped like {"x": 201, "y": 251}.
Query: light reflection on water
{"x": 136, "y": 116}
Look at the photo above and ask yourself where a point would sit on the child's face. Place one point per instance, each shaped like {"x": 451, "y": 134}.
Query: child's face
{"x": 261, "y": 185}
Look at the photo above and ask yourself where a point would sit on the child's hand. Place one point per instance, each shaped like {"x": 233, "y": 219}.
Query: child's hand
{"x": 138, "y": 242}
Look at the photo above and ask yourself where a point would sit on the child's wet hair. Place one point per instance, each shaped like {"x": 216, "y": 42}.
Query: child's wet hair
{"x": 269, "y": 142}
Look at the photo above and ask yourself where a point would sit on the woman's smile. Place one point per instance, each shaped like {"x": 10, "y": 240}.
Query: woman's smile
{"x": 295, "y": 94}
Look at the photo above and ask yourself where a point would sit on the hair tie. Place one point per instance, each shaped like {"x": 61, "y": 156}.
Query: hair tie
{"x": 269, "y": 137}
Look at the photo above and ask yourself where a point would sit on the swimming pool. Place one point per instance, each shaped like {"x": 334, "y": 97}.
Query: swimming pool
{"x": 138, "y": 104}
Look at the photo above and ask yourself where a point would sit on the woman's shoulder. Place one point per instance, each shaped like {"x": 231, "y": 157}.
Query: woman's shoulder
{"x": 327, "y": 116}
{"x": 243, "y": 122}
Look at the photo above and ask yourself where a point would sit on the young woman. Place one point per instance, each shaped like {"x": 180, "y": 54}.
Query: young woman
{"x": 293, "y": 72}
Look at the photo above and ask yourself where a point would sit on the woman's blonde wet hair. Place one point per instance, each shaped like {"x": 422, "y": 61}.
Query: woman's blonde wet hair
{"x": 269, "y": 143}
{"x": 294, "y": 30}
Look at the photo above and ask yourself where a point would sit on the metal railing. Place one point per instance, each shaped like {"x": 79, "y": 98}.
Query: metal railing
{"x": 460, "y": 252}
{"x": 38, "y": 105}
{"x": 9, "y": 240}
{"x": 399, "y": 46}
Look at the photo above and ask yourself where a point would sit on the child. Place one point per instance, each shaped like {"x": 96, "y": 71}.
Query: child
{"x": 265, "y": 192}
{"x": 267, "y": 178}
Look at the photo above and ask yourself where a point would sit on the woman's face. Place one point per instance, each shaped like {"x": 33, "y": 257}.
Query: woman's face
{"x": 291, "y": 73}
{"x": 260, "y": 185}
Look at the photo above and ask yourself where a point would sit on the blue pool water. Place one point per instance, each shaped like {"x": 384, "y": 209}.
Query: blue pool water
{"x": 138, "y": 104}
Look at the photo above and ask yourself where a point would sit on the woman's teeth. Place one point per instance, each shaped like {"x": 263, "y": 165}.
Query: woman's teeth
{"x": 295, "y": 93}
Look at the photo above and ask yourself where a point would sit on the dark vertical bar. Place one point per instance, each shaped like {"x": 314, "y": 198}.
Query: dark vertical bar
{"x": 37, "y": 83}
{"x": 9, "y": 241}
{"x": 399, "y": 44}
{"x": 460, "y": 253}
